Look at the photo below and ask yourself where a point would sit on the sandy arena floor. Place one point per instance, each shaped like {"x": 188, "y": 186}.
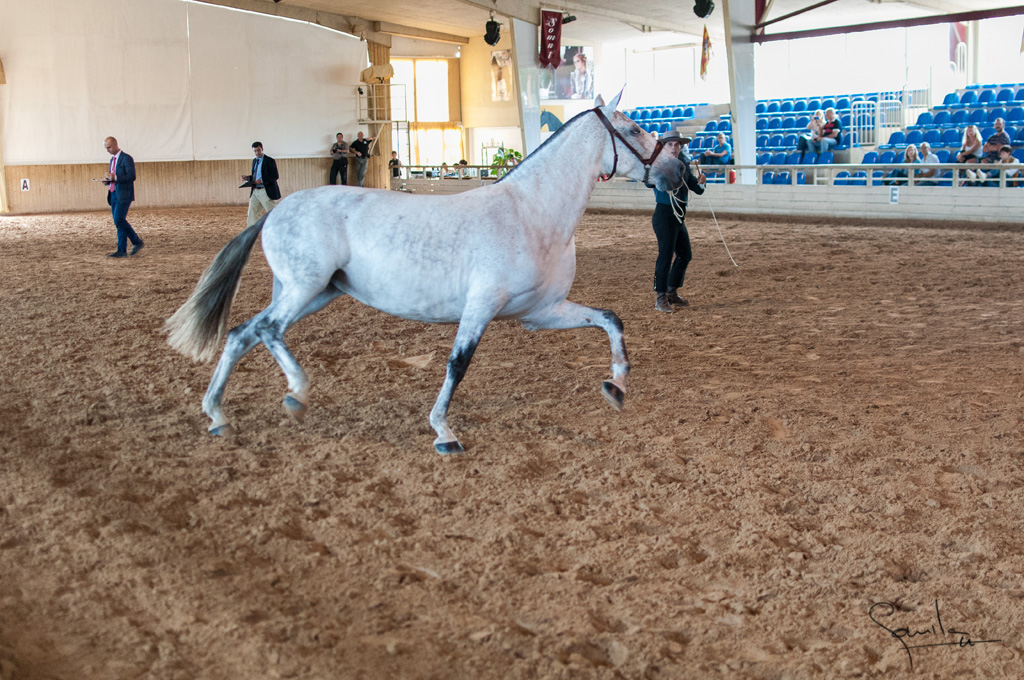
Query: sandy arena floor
{"x": 834, "y": 424}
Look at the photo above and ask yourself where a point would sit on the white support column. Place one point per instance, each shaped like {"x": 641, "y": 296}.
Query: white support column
{"x": 739, "y": 23}
{"x": 525, "y": 51}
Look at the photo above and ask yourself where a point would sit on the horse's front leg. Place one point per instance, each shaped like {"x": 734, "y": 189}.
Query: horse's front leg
{"x": 471, "y": 328}
{"x": 571, "y": 315}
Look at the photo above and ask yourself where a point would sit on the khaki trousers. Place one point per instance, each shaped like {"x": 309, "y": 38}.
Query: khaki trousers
{"x": 259, "y": 203}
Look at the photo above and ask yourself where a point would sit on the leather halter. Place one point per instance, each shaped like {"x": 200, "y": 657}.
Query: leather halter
{"x": 648, "y": 162}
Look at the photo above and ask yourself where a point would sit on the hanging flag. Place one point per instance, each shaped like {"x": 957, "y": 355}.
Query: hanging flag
{"x": 957, "y": 37}
{"x": 705, "y": 54}
{"x": 550, "y": 38}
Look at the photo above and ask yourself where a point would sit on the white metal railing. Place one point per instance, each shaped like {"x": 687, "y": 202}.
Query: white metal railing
{"x": 826, "y": 174}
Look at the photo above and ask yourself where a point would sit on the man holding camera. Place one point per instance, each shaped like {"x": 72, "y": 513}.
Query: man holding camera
{"x": 264, "y": 194}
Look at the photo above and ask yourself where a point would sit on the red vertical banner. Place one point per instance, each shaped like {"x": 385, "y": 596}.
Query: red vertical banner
{"x": 550, "y": 38}
{"x": 957, "y": 36}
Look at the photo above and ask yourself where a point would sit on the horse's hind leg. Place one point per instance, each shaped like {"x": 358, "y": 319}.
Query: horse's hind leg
{"x": 282, "y": 313}
{"x": 571, "y": 315}
{"x": 240, "y": 340}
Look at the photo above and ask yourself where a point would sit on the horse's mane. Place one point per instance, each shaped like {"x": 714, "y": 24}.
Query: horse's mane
{"x": 547, "y": 141}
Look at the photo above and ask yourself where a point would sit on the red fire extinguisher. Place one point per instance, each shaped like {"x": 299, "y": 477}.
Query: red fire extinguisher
{"x": 732, "y": 177}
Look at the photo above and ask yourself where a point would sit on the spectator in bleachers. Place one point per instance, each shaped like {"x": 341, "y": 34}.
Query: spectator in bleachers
{"x": 1006, "y": 156}
{"x": 831, "y": 132}
{"x": 927, "y": 175}
{"x": 809, "y": 140}
{"x": 970, "y": 148}
{"x": 995, "y": 142}
{"x": 720, "y": 155}
{"x": 898, "y": 176}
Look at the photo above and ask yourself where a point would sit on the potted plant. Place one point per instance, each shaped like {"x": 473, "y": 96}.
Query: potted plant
{"x": 505, "y": 159}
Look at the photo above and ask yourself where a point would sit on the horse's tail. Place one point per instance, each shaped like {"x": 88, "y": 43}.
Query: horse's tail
{"x": 197, "y": 328}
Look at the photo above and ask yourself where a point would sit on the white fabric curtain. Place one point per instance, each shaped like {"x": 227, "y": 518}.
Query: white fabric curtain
{"x": 172, "y": 80}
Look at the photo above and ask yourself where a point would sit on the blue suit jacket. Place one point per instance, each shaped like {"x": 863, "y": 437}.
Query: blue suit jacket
{"x": 124, "y": 186}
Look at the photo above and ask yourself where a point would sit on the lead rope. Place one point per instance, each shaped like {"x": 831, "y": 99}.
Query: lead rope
{"x": 679, "y": 211}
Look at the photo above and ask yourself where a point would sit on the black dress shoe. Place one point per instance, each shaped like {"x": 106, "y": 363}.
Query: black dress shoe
{"x": 118, "y": 254}
{"x": 137, "y": 248}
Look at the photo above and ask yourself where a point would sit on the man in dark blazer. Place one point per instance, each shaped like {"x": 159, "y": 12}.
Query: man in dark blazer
{"x": 265, "y": 193}
{"x": 120, "y": 182}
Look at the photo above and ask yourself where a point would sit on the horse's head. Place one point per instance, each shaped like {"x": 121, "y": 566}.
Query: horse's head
{"x": 633, "y": 153}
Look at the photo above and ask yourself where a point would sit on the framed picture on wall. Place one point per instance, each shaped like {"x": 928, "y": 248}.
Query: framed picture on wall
{"x": 573, "y": 79}
{"x": 501, "y": 74}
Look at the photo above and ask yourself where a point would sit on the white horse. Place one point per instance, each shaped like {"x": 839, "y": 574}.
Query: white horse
{"x": 504, "y": 251}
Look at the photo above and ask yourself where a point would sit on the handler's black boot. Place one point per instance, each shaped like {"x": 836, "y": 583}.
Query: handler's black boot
{"x": 661, "y": 303}
{"x": 673, "y": 298}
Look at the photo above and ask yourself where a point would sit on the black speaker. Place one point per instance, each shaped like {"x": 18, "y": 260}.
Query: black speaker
{"x": 493, "y": 34}
{"x": 703, "y": 8}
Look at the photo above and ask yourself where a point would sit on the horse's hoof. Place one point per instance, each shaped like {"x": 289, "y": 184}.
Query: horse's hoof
{"x": 445, "y": 448}
{"x": 224, "y": 430}
{"x": 296, "y": 409}
{"x": 613, "y": 394}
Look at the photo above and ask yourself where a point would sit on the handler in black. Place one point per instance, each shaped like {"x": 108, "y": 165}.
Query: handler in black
{"x": 671, "y": 230}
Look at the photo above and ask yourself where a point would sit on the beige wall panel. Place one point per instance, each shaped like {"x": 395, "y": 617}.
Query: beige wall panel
{"x": 67, "y": 188}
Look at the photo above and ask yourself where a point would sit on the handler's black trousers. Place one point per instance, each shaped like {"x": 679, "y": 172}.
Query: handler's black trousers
{"x": 673, "y": 239}
{"x": 339, "y": 167}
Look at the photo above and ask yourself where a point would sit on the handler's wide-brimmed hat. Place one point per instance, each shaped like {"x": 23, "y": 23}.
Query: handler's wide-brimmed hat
{"x": 674, "y": 136}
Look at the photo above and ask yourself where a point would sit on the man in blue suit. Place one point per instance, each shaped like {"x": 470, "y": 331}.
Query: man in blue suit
{"x": 120, "y": 181}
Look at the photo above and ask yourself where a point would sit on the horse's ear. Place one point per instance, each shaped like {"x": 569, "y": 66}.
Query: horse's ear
{"x": 611, "y": 106}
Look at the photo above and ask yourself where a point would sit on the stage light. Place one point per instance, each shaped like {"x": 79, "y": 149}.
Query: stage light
{"x": 703, "y": 8}
{"x": 568, "y": 18}
{"x": 493, "y": 34}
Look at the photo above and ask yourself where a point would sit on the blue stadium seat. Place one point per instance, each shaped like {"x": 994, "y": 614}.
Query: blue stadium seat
{"x": 923, "y": 120}
{"x": 645, "y": 114}
{"x": 1011, "y": 132}
{"x": 1019, "y": 97}
{"x": 958, "y": 118}
{"x": 1019, "y": 139}
{"x": 762, "y": 142}
{"x": 886, "y": 157}
{"x": 724, "y": 126}
{"x": 801, "y": 122}
{"x": 775, "y": 142}
{"x": 789, "y": 123}
{"x": 801, "y": 178}
{"x": 768, "y": 177}
{"x": 951, "y": 98}
{"x": 933, "y": 137}
{"x": 897, "y": 138}
{"x": 943, "y": 155}
{"x": 677, "y": 112}
{"x": 1019, "y": 155}
{"x": 986, "y": 97}
{"x": 825, "y": 158}
{"x": 689, "y": 112}
{"x": 842, "y": 178}
{"x": 914, "y": 137}
{"x": 793, "y": 158}
{"x": 666, "y": 112}
{"x": 773, "y": 107}
{"x": 665, "y": 127}
{"x": 828, "y": 103}
{"x": 977, "y": 117}
{"x": 940, "y": 119}
{"x": 783, "y": 178}
{"x": 859, "y": 178}
{"x": 998, "y": 112}
{"x": 761, "y": 124}
{"x": 987, "y": 132}
{"x": 789, "y": 141}
{"x": 775, "y": 124}
{"x": 813, "y": 104}
{"x": 951, "y": 137}
{"x": 761, "y": 108}
{"x": 1004, "y": 95}
{"x": 843, "y": 104}
{"x": 634, "y": 114}
{"x": 763, "y": 158}
{"x": 966, "y": 99}
{"x": 1015, "y": 115}
{"x": 712, "y": 126}
{"x": 870, "y": 157}
{"x": 799, "y": 105}
{"x": 779, "y": 158}
{"x": 809, "y": 158}
{"x": 786, "y": 106}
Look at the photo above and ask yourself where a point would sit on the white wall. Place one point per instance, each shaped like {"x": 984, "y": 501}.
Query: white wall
{"x": 171, "y": 80}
